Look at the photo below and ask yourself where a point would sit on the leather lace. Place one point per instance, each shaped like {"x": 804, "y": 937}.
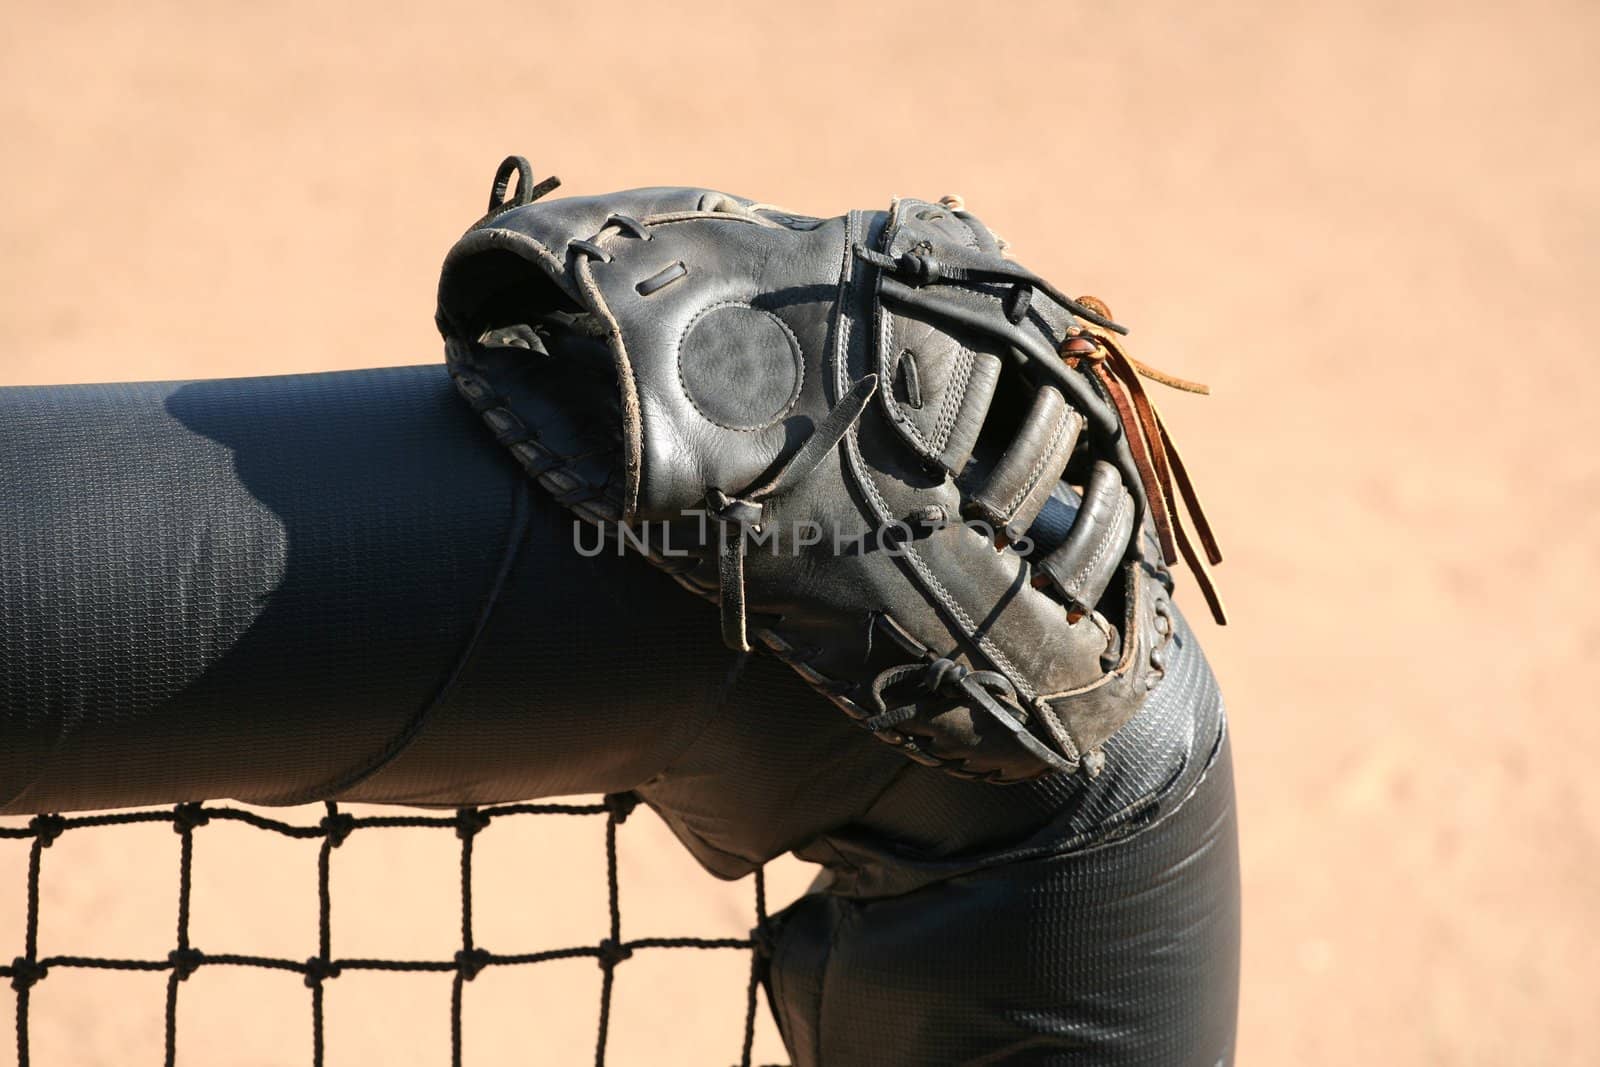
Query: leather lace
{"x": 942, "y": 677}
{"x": 739, "y": 515}
{"x": 1161, "y": 467}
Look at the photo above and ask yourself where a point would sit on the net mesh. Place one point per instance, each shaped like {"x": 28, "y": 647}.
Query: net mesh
{"x": 610, "y": 951}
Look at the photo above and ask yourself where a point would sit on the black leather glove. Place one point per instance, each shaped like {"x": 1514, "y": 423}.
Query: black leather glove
{"x": 898, "y": 459}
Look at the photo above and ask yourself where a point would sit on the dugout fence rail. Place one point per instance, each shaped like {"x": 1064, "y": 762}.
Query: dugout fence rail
{"x": 334, "y": 588}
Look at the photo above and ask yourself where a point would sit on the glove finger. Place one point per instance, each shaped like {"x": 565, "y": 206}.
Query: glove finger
{"x": 1027, "y": 472}
{"x": 942, "y": 392}
{"x": 1082, "y": 566}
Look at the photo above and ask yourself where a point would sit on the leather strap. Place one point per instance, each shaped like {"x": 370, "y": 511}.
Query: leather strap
{"x": 739, "y": 514}
{"x": 1161, "y": 468}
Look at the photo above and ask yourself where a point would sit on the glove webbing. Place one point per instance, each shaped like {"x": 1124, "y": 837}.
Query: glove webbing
{"x": 1156, "y": 457}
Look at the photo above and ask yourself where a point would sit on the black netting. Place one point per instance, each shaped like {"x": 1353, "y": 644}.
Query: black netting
{"x": 610, "y": 951}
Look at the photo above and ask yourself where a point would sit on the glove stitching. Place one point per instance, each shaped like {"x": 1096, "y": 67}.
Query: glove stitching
{"x": 670, "y": 217}
{"x": 896, "y": 410}
{"x": 1105, "y": 543}
{"x": 954, "y": 394}
{"x": 954, "y": 398}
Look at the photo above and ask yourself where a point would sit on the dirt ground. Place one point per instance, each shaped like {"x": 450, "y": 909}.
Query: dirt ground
{"x": 1373, "y": 227}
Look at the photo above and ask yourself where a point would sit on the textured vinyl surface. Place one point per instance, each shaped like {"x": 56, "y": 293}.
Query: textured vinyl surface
{"x": 1056, "y": 922}
{"x": 1121, "y": 954}
{"x": 285, "y": 589}
{"x": 317, "y": 586}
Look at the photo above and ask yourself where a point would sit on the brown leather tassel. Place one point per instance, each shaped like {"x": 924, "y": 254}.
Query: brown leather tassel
{"x": 1161, "y": 468}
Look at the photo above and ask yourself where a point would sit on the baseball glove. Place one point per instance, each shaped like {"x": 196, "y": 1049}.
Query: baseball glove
{"x": 903, "y": 462}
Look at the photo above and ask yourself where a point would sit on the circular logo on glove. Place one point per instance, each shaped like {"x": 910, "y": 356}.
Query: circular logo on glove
{"x": 740, "y": 366}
